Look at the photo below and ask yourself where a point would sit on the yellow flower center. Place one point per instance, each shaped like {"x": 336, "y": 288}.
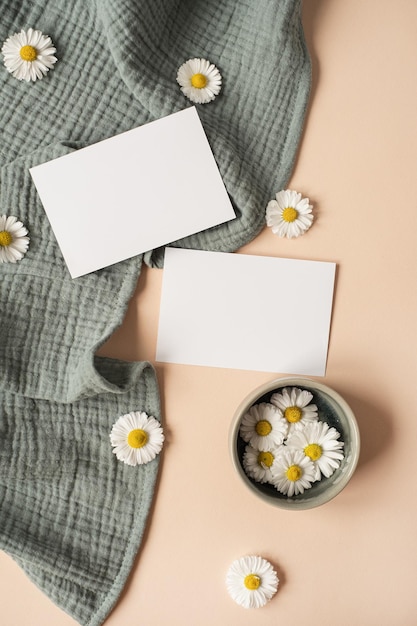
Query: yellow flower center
{"x": 293, "y": 414}
{"x": 294, "y": 472}
{"x": 289, "y": 214}
{"x": 137, "y": 438}
{"x": 28, "y": 53}
{"x": 5, "y": 238}
{"x": 252, "y": 582}
{"x": 199, "y": 81}
{"x": 265, "y": 458}
{"x": 314, "y": 451}
{"x": 263, "y": 428}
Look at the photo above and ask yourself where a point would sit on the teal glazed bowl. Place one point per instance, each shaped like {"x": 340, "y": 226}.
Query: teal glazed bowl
{"x": 334, "y": 410}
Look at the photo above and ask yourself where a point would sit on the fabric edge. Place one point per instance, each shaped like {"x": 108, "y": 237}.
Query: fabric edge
{"x": 139, "y": 527}
{"x": 302, "y": 102}
{"x": 132, "y": 550}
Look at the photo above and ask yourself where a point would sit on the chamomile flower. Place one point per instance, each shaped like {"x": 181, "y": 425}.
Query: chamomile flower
{"x": 320, "y": 443}
{"x": 199, "y": 80}
{"x": 257, "y": 464}
{"x": 292, "y": 472}
{"x": 289, "y": 215}
{"x": 28, "y": 55}
{"x": 136, "y": 438}
{"x": 294, "y": 404}
{"x": 263, "y": 426}
{"x": 251, "y": 581}
{"x": 13, "y": 239}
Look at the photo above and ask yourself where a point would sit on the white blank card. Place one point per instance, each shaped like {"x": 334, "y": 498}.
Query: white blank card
{"x": 132, "y": 193}
{"x": 245, "y": 312}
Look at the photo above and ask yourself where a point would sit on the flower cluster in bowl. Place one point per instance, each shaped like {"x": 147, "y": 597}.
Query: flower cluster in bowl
{"x": 289, "y": 447}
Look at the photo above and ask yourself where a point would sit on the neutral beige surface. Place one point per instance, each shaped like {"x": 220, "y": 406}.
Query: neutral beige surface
{"x": 352, "y": 561}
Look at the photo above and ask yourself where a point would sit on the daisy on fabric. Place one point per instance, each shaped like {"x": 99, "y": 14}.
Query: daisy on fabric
{"x": 251, "y": 581}
{"x": 263, "y": 427}
{"x": 292, "y": 472}
{"x": 319, "y": 442}
{"x": 28, "y": 55}
{"x": 257, "y": 464}
{"x": 294, "y": 404}
{"x": 199, "y": 80}
{"x": 289, "y": 215}
{"x": 136, "y": 438}
{"x": 13, "y": 240}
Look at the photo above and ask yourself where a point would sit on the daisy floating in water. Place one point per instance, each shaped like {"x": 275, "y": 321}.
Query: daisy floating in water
{"x": 251, "y": 581}
{"x": 292, "y": 472}
{"x": 289, "y": 215}
{"x": 294, "y": 404}
{"x": 13, "y": 239}
{"x": 136, "y": 438}
{"x": 28, "y": 55}
{"x": 319, "y": 442}
{"x": 263, "y": 426}
{"x": 257, "y": 464}
{"x": 199, "y": 80}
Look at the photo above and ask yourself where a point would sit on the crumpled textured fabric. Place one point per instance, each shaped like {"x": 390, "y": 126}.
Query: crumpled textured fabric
{"x": 71, "y": 514}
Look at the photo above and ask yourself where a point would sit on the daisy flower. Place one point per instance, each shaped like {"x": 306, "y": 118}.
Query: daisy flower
{"x": 264, "y": 427}
{"x": 292, "y": 472}
{"x": 199, "y": 80}
{"x": 28, "y": 55}
{"x": 289, "y": 215}
{"x": 294, "y": 404}
{"x": 251, "y": 581}
{"x": 257, "y": 464}
{"x": 13, "y": 240}
{"x": 136, "y": 438}
{"x": 319, "y": 442}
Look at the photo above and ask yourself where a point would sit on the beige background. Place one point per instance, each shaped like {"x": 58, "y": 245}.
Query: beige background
{"x": 353, "y": 560}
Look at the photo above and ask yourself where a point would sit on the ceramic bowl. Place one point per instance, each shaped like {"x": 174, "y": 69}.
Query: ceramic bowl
{"x": 334, "y": 410}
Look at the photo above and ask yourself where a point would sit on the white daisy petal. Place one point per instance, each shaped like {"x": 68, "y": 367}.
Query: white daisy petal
{"x": 45, "y": 46}
{"x": 294, "y": 198}
{"x": 13, "y": 240}
{"x": 28, "y": 55}
{"x": 301, "y": 397}
{"x": 18, "y": 231}
{"x": 289, "y": 215}
{"x": 281, "y": 198}
{"x": 251, "y": 581}
{"x": 3, "y": 257}
{"x": 199, "y": 80}
{"x": 136, "y": 438}
{"x": 264, "y": 427}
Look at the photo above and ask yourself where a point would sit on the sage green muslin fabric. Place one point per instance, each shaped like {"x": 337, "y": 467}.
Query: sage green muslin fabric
{"x": 71, "y": 514}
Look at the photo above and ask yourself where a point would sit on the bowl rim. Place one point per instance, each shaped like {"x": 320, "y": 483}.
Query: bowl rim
{"x": 277, "y": 383}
